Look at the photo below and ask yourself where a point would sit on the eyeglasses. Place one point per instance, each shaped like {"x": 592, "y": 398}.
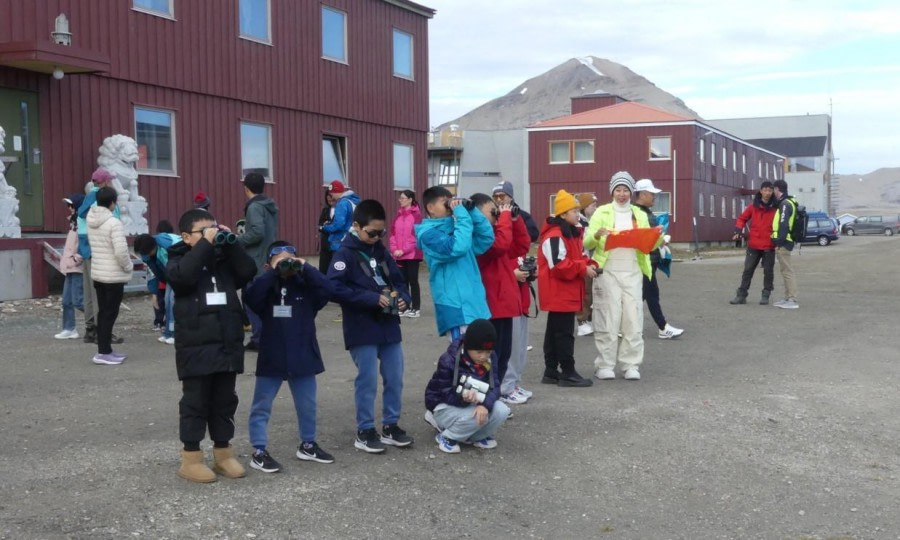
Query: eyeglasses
{"x": 281, "y": 249}
{"x": 375, "y": 234}
{"x": 500, "y": 196}
{"x": 213, "y": 226}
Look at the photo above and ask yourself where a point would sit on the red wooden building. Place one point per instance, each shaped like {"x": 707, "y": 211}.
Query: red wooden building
{"x": 304, "y": 92}
{"x": 705, "y": 174}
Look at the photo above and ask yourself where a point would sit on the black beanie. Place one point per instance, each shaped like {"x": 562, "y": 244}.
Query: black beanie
{"x": 480, "y": 336}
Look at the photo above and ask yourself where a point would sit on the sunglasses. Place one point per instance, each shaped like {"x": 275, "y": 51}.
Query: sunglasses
{"x": 375, "y": 234}
{"x": 281, "y": 249}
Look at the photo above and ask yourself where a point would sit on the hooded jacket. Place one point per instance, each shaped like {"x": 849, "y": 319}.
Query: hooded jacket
{"x": 89, "y": 201}
{"x": 110, "y": 260}
{"x": 760, "y": 215}
{"x": 260, "y": 229}
{"x": 288, "y": 347}
{"x": 450, "y": 245}
{"x": 208, "y": 338}
{"x": 403, "y": 233}
{"x": 562, "y": 266}
{"x": 442, "y": 388}
{"x": 511, "y": 241}
{"x": 604, "y": 218}
{"x": 343, "y": 219}
{"x": 356, "y": 290}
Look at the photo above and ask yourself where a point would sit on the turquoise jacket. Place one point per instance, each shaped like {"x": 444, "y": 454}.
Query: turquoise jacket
{"x": 450, "y": 245}
{"x": 84, "y": 248}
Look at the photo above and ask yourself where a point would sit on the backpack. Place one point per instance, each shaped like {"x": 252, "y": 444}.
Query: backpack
{"x": 801, "y": 219}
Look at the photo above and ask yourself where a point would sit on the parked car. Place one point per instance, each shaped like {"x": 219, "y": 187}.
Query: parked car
{"x": 821, "y": 229}
{"x": 886, "y": 225}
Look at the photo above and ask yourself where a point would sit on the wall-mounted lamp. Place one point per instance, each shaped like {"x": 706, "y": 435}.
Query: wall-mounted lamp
{"x": 58, "y": 73}
{"x": 61, "y": 34}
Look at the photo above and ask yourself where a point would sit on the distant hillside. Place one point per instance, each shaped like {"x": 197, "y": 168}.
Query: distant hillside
{"x": 548, "y": 95}
{"x": 878, "y": 191}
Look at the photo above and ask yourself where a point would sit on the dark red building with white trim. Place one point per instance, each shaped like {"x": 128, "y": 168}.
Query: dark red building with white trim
{"x": 706, "y": 174}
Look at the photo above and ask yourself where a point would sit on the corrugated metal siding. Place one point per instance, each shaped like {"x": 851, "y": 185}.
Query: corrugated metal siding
{"x": 626, "y": 149}
{"x": 199, "y": 67}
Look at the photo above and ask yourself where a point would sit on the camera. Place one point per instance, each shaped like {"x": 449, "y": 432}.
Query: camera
{"x": 529, "y": 266}
{"x": 466, "y": 203}
{"x": 467, "y": 382}
{"x": 392, "y": 308}
{"x": 225, "y": 237}
{"x": 514, "y": 210}
{"x": 289, "y": 266}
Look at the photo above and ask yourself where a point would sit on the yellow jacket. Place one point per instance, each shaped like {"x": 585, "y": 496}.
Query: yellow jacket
{"x": 604, "y": 218}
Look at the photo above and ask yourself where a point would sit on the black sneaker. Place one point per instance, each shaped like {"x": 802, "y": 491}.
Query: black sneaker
{"x": 90, "y": 336}
{"x": 312, "y": 452}
{"x": 116, "y": 340}
{"x": 574, "y": 380}
{"x": 395, "y": 436}
{"x": 262, "y": 461}
{"x": 368, "y": 440}
{"x": 550, "y": 377}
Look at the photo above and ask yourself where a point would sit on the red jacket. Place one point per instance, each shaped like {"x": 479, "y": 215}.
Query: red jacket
{"x": 511, "y": 241}
{"x": 562, "y": 266}
{"x": 760, "y": 216}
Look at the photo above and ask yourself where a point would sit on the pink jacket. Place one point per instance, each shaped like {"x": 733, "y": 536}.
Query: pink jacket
{"x": 403, "y": 235}
{"x": 70, "y": 262}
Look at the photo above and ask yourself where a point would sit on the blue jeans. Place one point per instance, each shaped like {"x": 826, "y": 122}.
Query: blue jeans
{"x": 458, "y": 423}
{"x": 72, "y": 299}
{"x": 303, "y": 390}
{"x": 366, "y": 359}
{"x": 169, "y": 330}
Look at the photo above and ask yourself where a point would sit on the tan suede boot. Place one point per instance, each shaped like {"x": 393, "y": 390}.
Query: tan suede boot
{"x": 226, "y": 465}
{"x": 194, "y": 469}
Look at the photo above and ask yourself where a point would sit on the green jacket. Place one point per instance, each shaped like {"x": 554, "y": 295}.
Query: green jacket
{"x": 604, "y": 218}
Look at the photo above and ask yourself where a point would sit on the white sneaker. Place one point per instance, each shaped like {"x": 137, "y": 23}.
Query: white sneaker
{"x": 413, "y": 313}
{"x": 524, "y": 397}
{"x": 632, "y": 374}
{"x": 670, "y": 332}
{"x": 513, "y": 399}
{"x": 528, "y": 348}
{"x": 585, "y": 329}
{"x": 526, "y": 393}
{"x": 429, "y": 417}
{"x": 166, "y": 340}
{"x": 790, "y": 303}
{"x": 67, "y": 334}
{"x": 605, "y": 374}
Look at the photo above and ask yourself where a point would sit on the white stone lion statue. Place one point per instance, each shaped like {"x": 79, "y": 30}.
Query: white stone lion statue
{"x": 118, "y": 155}
{"x": 6, "y": 190}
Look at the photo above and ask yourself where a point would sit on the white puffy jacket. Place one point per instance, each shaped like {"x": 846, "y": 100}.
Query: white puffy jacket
{"x": 110, "y": 260}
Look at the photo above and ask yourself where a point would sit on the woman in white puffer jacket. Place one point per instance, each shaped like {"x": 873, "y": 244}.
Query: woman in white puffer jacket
{"x": 111, "y": 269}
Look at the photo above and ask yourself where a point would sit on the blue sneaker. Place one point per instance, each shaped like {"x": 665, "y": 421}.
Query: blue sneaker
{"x": 446, "y": 445}
{"x": 486, "y": 443}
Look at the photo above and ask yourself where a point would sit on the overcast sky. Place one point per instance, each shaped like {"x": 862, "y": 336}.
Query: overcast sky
{"x": 724, "y": 59}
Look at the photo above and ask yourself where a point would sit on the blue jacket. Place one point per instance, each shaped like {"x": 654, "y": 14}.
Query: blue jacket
{"x": 157, "y": 263}
{"x": 358, "y": 294}
{"x": 450, "y": 245}
{"x": 342, "y": 220}
{"x": 442, "y": 387}
{"x": 84, "y": 248}
{"x": 288, "y": 347}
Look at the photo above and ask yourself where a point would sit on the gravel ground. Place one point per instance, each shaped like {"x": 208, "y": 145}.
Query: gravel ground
{"x": 756, "y": 423}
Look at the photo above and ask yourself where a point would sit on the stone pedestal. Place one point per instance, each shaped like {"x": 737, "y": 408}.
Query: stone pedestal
{"x": 9, "y": 223}
{"x": 133, "y": 218}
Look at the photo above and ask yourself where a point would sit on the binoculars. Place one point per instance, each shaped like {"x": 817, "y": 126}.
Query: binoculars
{"x": 289, "y": 265}
{"x": 468, "y": 383}
{"x": 466, "y": 203}
{"x": 225, "y": 237}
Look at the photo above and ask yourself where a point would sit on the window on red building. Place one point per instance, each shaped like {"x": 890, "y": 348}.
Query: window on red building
{"x": 403, "y": 54}
{"x": 334, "y": 34}
{"x": 155, "y": 7}
{"x": 334, "y": 159}
{"x": 254, "y": 23}
{"x": 660, "y": 148}
{"x": 155, "y": 135}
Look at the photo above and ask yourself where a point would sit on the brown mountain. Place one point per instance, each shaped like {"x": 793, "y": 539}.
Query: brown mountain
{"x": 548, "y": 95}
{"x": 878, "y": 191}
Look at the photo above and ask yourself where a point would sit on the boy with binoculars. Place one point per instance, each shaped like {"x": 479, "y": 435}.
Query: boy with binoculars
{"x": 463, "y": 396}
{"x": 287, "y": 297}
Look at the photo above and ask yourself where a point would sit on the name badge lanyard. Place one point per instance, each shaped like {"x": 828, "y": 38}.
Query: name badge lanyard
{"x": 215, "y": 298}
{"x": 282, "y": 310}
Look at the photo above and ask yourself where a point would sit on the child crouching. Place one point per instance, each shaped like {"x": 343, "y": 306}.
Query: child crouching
{"x": 463, "y": 411}
{"x": 286, "y": 297}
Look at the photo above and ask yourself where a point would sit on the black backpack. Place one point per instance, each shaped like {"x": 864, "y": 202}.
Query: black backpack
{"x": 801, "y": 219}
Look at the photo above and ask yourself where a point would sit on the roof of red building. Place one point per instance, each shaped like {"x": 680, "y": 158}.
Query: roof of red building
{"x": 620, "y": 113}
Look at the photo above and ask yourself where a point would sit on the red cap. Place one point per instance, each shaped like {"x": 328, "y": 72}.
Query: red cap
{"x": 101, "y": 175}
{"x": 336, "y": 186}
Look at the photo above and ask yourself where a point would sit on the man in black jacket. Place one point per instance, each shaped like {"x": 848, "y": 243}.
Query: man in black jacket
{"x": 205, "y": 272}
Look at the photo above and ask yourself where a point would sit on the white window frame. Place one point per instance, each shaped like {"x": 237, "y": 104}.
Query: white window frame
{"x": 448, "y": 169}
{"x": 657, "y": 203}
{"x": 650, "y": 140}
{"x": 268, "y": 38}
{"x": 568, "y": 152}
{"x": 270, "y": 179}
{"x": 702, "y": 150}
{"x": 170, "y": 14}
{"x": 411, "y": 165}
{"x": 724, "y": 208}
{"x": 759, "y": 173}
{"x": 744, "y": 163}
{"x": 734, "y": 160}
{"x": 172, "y": 115}
{"x": 412, "y": 55}
{"x": 701, "y": 200}
{"x": 734, "y": 208}
{"x": 712, "y": 205}
{"x": 342, "y": 144}
{"x": 724, "y": 157}
{"x": 712, "y": 153}
{"x": 346, "y": 58}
